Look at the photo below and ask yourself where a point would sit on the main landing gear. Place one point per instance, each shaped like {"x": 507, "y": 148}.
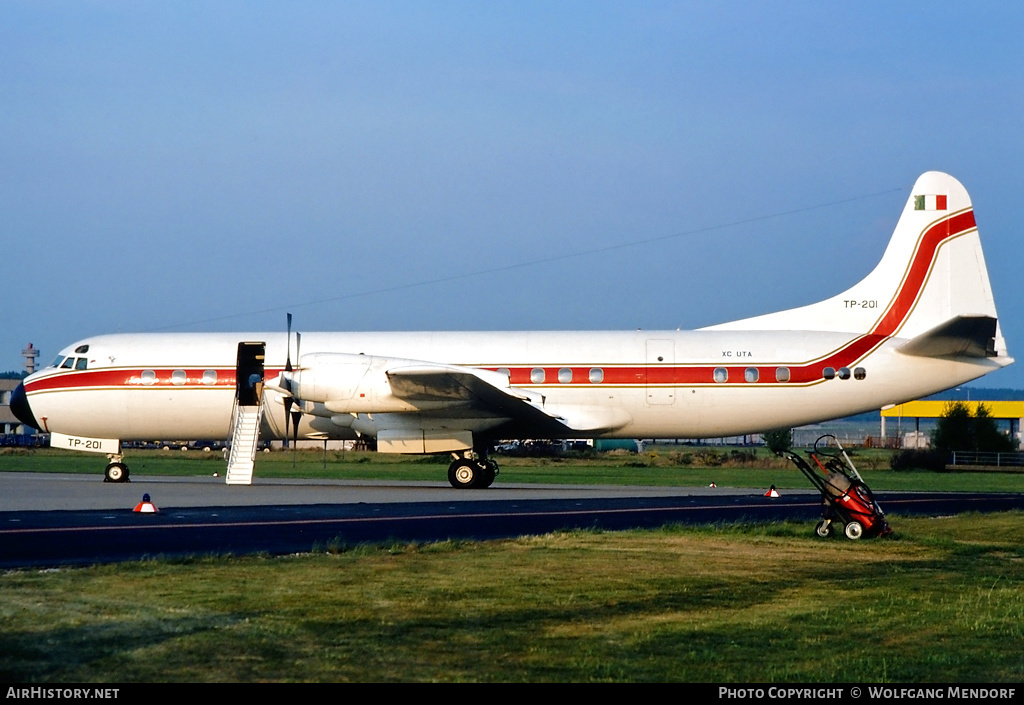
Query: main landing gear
{"x": 472, "y": 473}
{"x": 116, "y": 470}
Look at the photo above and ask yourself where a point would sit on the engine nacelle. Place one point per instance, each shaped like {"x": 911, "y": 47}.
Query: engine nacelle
{"x": 329, "y": 376}
{"x": 346, "y": 383}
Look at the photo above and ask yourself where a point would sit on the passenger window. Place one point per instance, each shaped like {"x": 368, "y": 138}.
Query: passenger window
{"x": 750, "y": 375}
{"x": 781, "y": 374}
{"x": 81, "y": 363}
{"x": 596, "y": 375}
{"x": 859, "y": 373}
{"x": 565, "y": 375}
{"x": 721, "y": 375}
{"x": 829, "y": 373}
{"x": 148, "y": 377}
{"x": 178, "y": 377}
{"x": 210, "y": 377}
{"x": 844, "y": 373}
{"x": 537, "y": 375}
{"x": 505, "y": 371}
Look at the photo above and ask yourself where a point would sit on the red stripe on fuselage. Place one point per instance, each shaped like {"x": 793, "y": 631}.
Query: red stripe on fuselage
{"x": 888, "y": 324}
{"x": 118, "y": 378}
{"x": 806, "y": 372}
{"x": 920, "y": 266}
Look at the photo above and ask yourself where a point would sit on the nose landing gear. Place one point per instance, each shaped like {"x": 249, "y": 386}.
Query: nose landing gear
{"x": 116, "y": 470}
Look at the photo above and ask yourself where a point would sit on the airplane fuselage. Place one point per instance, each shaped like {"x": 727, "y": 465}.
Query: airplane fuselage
{"x": 639, "y": 384}
{"x": 922, "y": 321}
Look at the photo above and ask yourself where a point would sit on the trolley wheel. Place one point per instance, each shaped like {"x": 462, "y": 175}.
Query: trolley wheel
{"x": 824, "y": 528}
{"x": 854, "y": 530}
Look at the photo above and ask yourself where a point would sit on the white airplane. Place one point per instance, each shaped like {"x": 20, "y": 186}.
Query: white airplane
{"x": 922, "y": 321}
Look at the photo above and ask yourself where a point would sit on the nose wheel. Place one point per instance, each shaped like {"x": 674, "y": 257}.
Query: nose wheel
{"x": 116, "y": 472}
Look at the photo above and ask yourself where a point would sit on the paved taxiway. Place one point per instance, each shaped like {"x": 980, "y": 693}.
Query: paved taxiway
{"x": 52, "y": 491}
{"x": 53, "y": 519}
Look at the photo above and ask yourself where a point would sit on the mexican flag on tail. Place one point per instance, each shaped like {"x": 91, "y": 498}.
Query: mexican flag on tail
{"x": 930, "y": 203}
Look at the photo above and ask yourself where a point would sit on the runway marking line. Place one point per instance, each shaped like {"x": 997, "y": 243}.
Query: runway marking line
{"x": 424, "y": 517}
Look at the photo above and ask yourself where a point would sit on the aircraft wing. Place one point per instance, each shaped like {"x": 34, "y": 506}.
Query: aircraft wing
{"x": 431, "y": 382}
{"x": 489, "y": 393}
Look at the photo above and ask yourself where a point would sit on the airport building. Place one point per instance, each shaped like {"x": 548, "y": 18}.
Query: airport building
{"x": 911, "y": 412}
{"x": 8, "y": 423}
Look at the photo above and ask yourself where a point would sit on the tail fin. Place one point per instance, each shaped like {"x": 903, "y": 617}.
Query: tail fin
{"x": 933, "y": 271}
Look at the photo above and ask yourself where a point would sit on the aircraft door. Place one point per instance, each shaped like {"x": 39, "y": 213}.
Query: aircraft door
{"x": 249, "y": 373}
{"x": 661, "y": 378}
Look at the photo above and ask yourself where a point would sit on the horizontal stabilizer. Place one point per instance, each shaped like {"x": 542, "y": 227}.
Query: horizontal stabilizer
{"x": 960, "y": 336}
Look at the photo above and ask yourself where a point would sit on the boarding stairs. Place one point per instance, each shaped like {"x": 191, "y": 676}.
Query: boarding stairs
{"x": 244, "y": 439}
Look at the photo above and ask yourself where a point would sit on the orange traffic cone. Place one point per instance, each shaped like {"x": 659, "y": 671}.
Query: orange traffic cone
{"x": 773, "y": 493}
{"x": 146, "y": 506}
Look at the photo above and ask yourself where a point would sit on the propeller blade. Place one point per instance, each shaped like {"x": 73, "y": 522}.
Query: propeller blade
{"x": 288, "y": 358}
{"x": 285, "y": 381}
{"x": 288, "y": 401}
{"x": 296, "y": 417}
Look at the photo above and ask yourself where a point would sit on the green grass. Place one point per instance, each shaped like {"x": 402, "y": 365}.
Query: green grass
{"x": 663, "y": 466}
{"x": 941, "y": 602}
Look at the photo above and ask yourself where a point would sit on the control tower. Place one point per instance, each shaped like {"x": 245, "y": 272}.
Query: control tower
{"x": 30, "y": 354}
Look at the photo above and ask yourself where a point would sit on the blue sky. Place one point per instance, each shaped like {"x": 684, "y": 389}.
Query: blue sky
{"x": 485, "y": 165}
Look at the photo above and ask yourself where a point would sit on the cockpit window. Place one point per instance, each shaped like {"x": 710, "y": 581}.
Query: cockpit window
{"x": 71, "y": 362}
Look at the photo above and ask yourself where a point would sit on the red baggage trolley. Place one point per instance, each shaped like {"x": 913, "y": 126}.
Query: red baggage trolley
{"x": 845, "y": 497}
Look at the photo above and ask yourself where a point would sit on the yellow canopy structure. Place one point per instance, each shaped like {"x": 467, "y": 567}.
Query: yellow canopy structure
{"x": 1010, "y": 410}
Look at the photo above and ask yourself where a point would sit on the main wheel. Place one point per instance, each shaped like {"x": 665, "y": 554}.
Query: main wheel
{"x": 488, "y": 471}
{"x": 116, "y": 472}
{"x": 824, "y": 528}
{"x": 464, "y": 474}
{"x": 854, "y": 530}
